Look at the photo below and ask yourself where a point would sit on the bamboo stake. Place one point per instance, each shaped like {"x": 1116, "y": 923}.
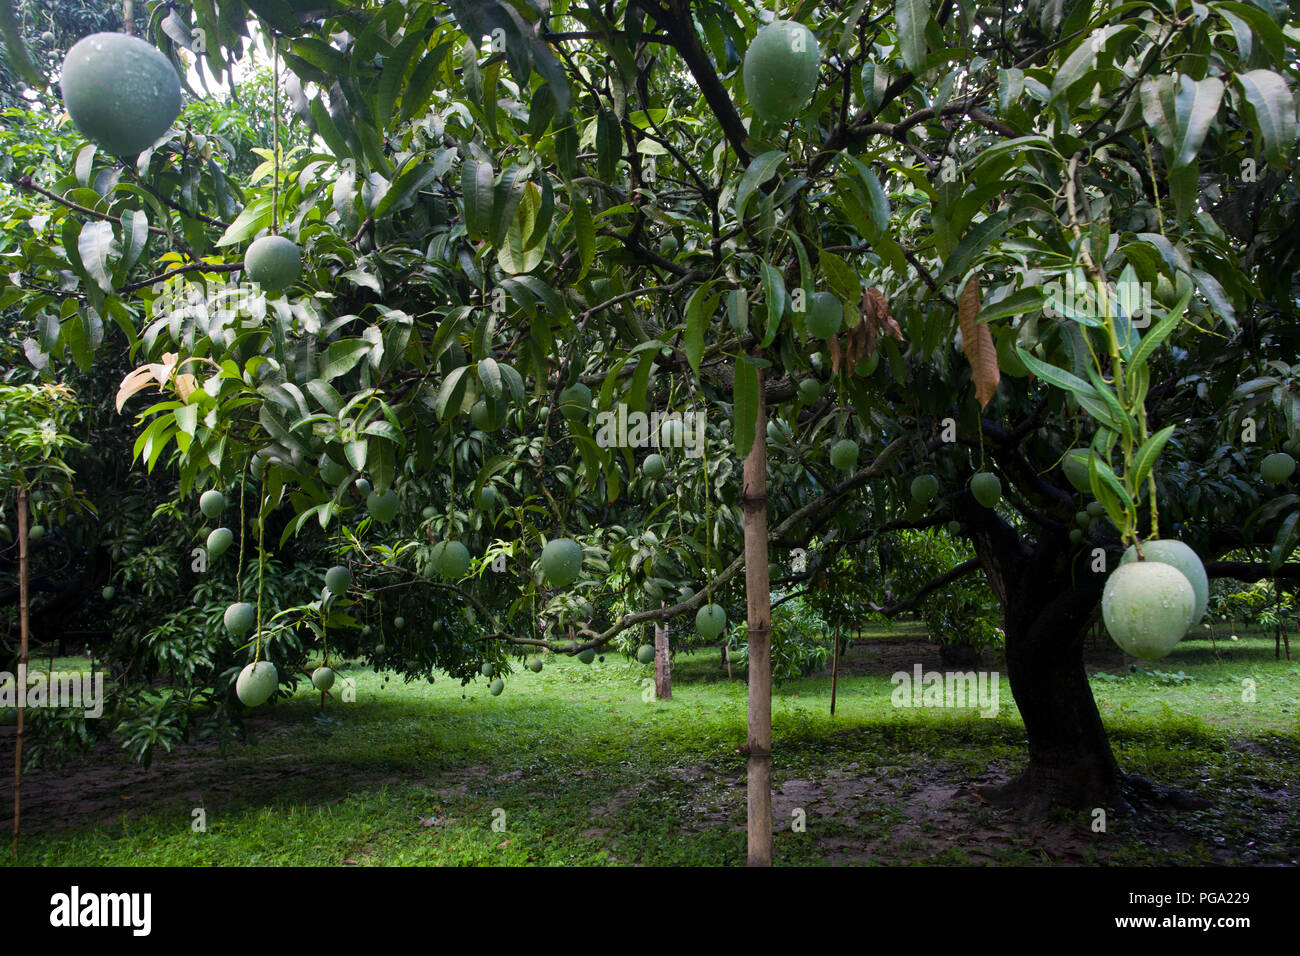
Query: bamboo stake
{"x": 835, "y": 667}
{"x": 758, "y": 602}
{"x": 23, "y": 629}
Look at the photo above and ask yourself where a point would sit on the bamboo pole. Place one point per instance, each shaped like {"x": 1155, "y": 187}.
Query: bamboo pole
{"x": 835, "y": 666}
{"x": 23, "y": 630}
{"x": 758, "y": 603}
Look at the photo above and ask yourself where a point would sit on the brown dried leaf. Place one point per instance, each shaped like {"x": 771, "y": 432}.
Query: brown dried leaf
{"x": 186, "y": 385}
{"x": 977, "y": 343}
{"x": 880, "y": 314}
{"x": 837, "y": 357}
{"x": 132, "y": 383}
{"x": 862, "y": 341}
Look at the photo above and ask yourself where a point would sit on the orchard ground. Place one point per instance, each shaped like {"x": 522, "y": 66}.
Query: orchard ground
{"x": 573, "y": 766}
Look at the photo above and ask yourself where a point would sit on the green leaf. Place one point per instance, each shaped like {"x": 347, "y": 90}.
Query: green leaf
{"x": 1195, "y": 107}
{"x": 760, "y": 170}
{"x": 514, "y": 255}
{"x": 745, "y": 397}
{"x": 135, "y": 233}
{"x": 342, "y": 357}
{"x": 972, "y": 244}
{"x": 879, "y": 203}
{"x": 699, "y": 313}
{"x": 416, "y": 93}
{"x": 489, "y": 373}
{"x": 1161, "y": 331}
{"x": 1081, "y": 61}
{"x": 1107, "y": 489}
{"x": 506, "y": 196}
{"x": 912, "y": 17}
{"x": 1288, "y": 536}
{"x": 451, "y": 394}
{"x": 390, "y": 80}
{"x": 842, "y": 279}
{"x": 477, "y": 182}
{"x": 585, "y": 230}
{"x": 1144, "y": 459}
{"x": 1266, "y": 31}
{"x": 1018, "y": 303}
{"x": 408, "y": 181}
{"x": 328, "y": 131}
{"x": 252, "y": 219}
{"x": 1056, "y": 376}
{"x": 774, "y": 301}
{"x": 96, "y": 246}
{"x": 1273, "y": 109}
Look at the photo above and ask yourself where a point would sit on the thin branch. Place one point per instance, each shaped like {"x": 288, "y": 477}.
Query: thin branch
{"x": 898, "y": 607}
{"x": 192, "y": 267}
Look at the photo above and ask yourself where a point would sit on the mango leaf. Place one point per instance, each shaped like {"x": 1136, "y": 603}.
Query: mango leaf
{"x": 342, "y": 357}
{"x": 135, "y": 233}
{"x": 1107, "y": 489}
{"x": 96, "y": 246}
{"x": 699, "y": 312}
{"x": 911, "y": 17}
{"x": 1195, "y": 107}
{"x": 506, "y": 196}
{"x": 252, "y": 219}
{"x": 451, "y": 393}
{"x": 745, "y": 396}
{"x": 1018, "y": 303}
{"x": 1144, "y": 459}
{"x": 1288, "y": 536}
{"x": 408, "y": 181}
{"x": 1055, "y": 376}
{"x": 1155, "y": 336}
{"x": 489, "y": 373}
{"x": 514, "y": 255}
{"x": 477, "y": 186}
{"x": 585, "y": 230}
{"x": 760, "y": 170}
{"x": 774, "y": 301}
{"x": 972, "y": 244}
{"x": 1273, "y": 109}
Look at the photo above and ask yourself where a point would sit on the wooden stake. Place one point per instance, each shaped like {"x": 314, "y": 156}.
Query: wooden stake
{"x": 758, "y": 601}
{"x": 22, "y": 657}
{"x": 663, "y": 668}
{"x": 835, "y": 666}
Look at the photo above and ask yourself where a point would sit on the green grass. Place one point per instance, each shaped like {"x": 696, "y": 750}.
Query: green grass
{"x": 578, "y": 768}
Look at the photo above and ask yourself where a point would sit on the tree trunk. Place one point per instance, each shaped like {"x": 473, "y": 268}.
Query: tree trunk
{"x": 22, "y": 657}
{"x": 1048, "y": 593}
{"x": 663, "y": 671}
{"x": 1070, "y": 761}
{"x": 758, "y": 601}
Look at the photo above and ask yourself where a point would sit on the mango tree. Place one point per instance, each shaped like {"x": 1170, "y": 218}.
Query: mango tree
{"x": 917, "y": 253}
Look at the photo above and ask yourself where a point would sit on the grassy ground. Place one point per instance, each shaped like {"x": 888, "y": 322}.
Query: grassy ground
{"x": 575, "y": 766}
